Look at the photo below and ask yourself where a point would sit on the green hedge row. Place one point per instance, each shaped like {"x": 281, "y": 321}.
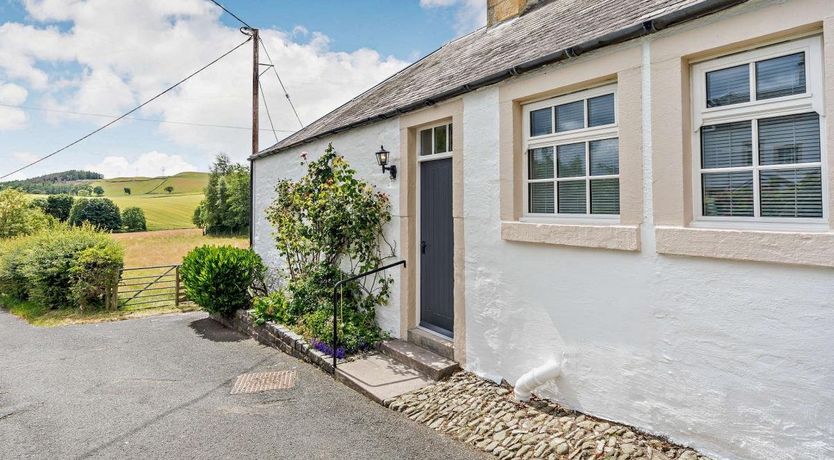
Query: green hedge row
{"x": 62, "y": 267}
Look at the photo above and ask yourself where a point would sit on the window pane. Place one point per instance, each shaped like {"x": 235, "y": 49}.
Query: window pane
{"x": 605, "y": 196}
{"x": 780, "y": 76}
{"x": 570, "y": 116}
{"x": 541, "y": 121}
{"x": 791, "y": 192}
{"x": 605, "y": 159}
{"x": 571, "y": 160}
{"x": 728, "y": 86}
{"x": 727, "y": 145}
{"x": 440, "y": 139}
{"x": 601, "y": 110}
{"x": 541, "y": 197}
{"x": 728, "y": 194}
{"x": 425, "y": 142}
{"x": 789, "y": 139}
{"x": 572, "y": 197}
{"x": 541, "y": 163}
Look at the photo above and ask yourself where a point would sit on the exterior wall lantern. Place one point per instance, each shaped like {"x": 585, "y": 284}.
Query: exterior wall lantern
{"x": 382, "y": 160}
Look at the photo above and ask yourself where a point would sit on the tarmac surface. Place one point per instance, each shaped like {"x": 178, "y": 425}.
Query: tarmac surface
{"x": 158, "y": 387}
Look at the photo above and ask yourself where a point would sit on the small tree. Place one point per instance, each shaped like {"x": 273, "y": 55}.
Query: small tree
{"x": 59, "y": 206}
{"x": 98, "y": 190}
{"x": 127, "y": 190}
{"x": 226, "y": 206}
{"x": 169, "y": 188}
{"x": 17, "y": 216}
{"x": 133, "y": 220}
{"x": 101, "y": 213}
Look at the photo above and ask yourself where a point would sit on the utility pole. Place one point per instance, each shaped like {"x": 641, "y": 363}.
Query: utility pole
{"x": 255, "y": 128}
{"x": 255, "y": 74}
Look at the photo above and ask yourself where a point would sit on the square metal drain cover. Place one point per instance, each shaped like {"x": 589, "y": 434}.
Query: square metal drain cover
{"x": 257, "y": 382}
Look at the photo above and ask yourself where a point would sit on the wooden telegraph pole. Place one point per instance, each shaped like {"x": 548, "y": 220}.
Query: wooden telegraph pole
{"x": 255, "y": 130}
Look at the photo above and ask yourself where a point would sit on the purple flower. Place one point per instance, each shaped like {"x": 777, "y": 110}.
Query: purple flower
{"x": 325, "y": 348}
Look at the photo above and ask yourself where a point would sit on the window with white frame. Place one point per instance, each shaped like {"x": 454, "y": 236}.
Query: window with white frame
{"x": 572, "y": 162}
{"x": 436, "y": 140}
{"x": 758, "y": 147}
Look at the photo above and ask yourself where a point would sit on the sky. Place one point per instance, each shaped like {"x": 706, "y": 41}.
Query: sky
{"x": 68, "y": 67}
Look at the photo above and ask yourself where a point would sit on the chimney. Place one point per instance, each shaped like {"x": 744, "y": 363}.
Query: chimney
{"x": 499, "y": 11}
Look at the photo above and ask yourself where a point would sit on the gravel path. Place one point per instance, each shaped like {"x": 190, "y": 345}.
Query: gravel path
{"x": 485, "y": 415}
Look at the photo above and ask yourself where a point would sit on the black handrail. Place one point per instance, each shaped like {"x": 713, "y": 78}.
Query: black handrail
{"x": 335, "y": 309}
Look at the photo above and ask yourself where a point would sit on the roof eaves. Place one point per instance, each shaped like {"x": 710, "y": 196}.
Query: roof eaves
{"x": 647, "y": 27}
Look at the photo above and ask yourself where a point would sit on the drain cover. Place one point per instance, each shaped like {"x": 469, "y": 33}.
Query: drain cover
{"x": 263, "y": 381}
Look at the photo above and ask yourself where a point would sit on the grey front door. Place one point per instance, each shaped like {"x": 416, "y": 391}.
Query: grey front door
{"x": 436, "y": 246}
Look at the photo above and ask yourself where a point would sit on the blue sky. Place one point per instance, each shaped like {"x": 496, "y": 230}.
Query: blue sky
{"x": 102, "y": 57}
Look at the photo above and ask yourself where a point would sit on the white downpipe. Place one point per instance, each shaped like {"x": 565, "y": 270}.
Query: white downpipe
{"x": 535, "y": 378}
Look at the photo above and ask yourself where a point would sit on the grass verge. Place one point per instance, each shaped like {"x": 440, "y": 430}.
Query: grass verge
{"x": 38, "y": 315}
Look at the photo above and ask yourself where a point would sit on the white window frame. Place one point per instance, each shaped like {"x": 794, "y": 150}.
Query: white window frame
{"x": 753, "y": 110}
{"x": 555, "y": 139}
{"x": 435, "y": 155}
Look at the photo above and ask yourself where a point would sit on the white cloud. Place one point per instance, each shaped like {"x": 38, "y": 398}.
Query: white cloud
{"x": 12, "y": 118}
{"x": 469, "y": 14}
{"x": 150, "y": 164}
{"x": 150, "y": 44}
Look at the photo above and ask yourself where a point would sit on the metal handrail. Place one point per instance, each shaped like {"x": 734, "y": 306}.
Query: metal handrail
{"x": 335, "y": 309}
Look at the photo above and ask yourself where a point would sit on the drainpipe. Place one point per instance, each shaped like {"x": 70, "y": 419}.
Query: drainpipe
{"x": 535, "y": 378}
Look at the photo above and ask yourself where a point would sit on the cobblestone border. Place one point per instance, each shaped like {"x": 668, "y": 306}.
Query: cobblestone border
{"x": 485, "y": 415}
{"x": 277, "y": 336}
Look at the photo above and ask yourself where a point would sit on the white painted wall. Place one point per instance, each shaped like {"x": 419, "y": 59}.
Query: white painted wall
{"x": 358, "y": 147}
{"x": 734, "y": 358}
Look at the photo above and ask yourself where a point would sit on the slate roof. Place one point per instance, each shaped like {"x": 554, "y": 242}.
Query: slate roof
{"x": 550, "y": 31}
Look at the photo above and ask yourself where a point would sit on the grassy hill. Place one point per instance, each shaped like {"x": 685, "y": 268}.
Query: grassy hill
{"x": 163, "y": 212}
{"x": 183, "y": 183}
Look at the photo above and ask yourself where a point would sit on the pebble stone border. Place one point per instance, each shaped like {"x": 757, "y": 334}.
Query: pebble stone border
{"x": 485, "y": 415}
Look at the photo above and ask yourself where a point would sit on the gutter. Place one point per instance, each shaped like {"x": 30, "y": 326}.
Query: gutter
{"x": 649, "y": 27}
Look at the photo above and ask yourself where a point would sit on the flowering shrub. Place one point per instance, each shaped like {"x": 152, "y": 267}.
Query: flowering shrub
{"x": 329, "y": 226}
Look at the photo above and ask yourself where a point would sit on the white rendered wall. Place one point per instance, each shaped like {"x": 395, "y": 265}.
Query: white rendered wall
{"x": 358, "y": 147}
{"x": 734, "y": 358}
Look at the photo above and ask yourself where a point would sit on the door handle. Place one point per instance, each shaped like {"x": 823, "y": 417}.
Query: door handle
{"x": 423, "y": 247}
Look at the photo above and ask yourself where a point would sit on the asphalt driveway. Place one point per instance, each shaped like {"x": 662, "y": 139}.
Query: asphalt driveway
{"x": 159, "y": 388}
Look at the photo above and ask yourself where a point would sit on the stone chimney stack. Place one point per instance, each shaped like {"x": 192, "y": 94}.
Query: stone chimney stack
{"x": 499, "y": 11}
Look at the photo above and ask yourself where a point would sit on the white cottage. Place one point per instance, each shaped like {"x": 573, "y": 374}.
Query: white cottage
{"x": 640, "y": 187}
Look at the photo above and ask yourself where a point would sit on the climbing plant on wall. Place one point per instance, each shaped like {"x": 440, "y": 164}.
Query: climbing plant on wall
{"x": 329, "y": 226}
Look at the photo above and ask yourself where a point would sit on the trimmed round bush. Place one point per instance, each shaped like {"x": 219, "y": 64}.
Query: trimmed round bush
{"x": 220, "y": 278}
{"x": 101, "y": 213}
{"x": 133, "y": 220}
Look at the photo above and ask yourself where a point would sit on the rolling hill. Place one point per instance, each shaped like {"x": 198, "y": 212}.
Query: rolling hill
{"x": 183, "y": 183}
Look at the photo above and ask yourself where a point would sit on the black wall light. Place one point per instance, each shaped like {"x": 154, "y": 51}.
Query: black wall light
{"x": 382, "y": 160}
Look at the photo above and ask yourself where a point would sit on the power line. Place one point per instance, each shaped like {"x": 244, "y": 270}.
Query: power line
{"x": 154, "y": 120}
{"x": 231, "y": 14}
{"x": 286, "y": 94}
{"x": 272, "y": 64}
{"x": 126, "y": 113}
{"x": 268, "y": 115}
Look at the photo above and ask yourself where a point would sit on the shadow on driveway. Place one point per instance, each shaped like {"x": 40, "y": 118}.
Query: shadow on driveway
{"x": 210, "y": 329}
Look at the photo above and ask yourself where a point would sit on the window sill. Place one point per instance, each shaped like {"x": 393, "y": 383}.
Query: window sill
{"x": 618, "y": 237}
{"x": 799, "y": 248}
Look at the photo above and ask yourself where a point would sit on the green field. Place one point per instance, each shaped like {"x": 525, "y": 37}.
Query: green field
{"x": 183, "y": 183}
{"x": 163, "y": 212}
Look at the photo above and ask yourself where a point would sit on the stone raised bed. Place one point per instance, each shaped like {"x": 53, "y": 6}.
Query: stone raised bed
{"x": 277, "y": 336}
